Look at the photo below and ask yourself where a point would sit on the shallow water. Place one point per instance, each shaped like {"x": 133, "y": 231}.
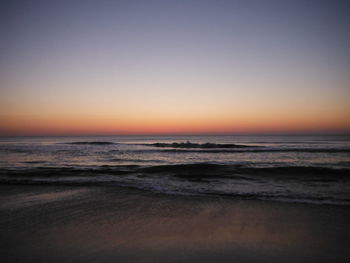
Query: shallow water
{"x": 312, "y": 169}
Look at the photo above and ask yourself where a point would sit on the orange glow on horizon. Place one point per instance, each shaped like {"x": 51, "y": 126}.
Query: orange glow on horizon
{"x": 141, "y": 125}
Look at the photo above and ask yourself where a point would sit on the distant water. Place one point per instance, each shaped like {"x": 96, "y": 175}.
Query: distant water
{"x": 309, "y": 169}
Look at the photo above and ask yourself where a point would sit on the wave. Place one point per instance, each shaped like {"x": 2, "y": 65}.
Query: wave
{"x": 246, "y": 150}
{"x": 133, "y": 160}
{"x": 254, "y": 149}
{"x": 289, "y": 197}
{"x": 196, "y": 145}
{"x": 199, "y": 170}
{"x": 286, "y": 173}
{"x": 91, "y": 143}
{"x": 285, "y": 184}
{"x": 35, "y": 162}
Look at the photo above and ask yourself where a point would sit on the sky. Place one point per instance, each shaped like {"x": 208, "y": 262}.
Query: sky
{"x": 174, "y": 67}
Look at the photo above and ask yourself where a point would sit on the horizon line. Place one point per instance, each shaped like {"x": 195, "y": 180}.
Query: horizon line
{"x": 341, "y": 133}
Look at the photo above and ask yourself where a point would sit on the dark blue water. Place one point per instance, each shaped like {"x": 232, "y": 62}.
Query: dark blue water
{"x": 311, "y": 169}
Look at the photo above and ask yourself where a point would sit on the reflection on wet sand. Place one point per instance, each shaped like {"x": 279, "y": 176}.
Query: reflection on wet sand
{"x": 116, "y": 225}
{"x": 211, "y": 226}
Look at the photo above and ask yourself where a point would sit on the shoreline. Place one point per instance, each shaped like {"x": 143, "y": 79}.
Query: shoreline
{"x": 114, "y": 224}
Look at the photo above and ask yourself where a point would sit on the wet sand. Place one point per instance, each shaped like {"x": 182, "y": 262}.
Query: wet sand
{"x": 111, "y": 224}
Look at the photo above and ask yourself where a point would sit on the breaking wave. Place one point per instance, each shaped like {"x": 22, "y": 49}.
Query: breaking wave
{"x": 200, "y": 170}
{"x": 255, "y": 149}
{"x": 285, "y": 184}
{"x": 190, "y": 145}
{"x": 91, "y": 143}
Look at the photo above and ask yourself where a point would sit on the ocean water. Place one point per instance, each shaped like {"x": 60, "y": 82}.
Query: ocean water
{"x": 307, "y": 169}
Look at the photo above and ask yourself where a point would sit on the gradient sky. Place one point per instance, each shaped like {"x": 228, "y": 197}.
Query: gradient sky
{"x": 179, "y": 66}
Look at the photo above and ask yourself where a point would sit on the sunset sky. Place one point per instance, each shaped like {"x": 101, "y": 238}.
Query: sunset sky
{"x": 174, "y": 67}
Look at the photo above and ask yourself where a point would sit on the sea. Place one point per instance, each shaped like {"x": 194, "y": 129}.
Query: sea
{"x": 301, "y": 169}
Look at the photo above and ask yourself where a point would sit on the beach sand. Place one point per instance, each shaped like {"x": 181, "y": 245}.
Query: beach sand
{"x": 112, "y": 224}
